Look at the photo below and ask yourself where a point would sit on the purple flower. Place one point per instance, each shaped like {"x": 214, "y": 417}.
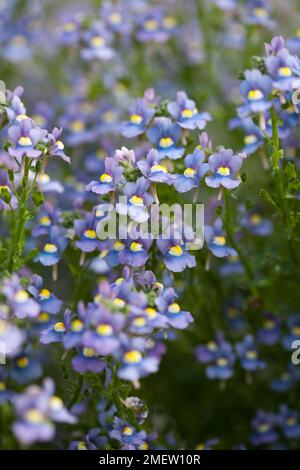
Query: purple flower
{"x": 184, "y": 111}
{"x": 288, "y": 420}
{"x": 18, "y": 298}
{"x": 255, "y": 90}
{"x": 247, "y": 353}
{"x": 175, "y": 255}
{"x": 26, "y": 369}
{"x": 293, "y": 334}
{"x": 103, "y": 334}
{"x": 87, "y": 359}
{"x": 136, "y": 253}
{"x": 56, "y": 146}
{"x": 48, "y": 301}
{"x": 167, "y": 305}
{"x": 85, "y": 230}
{"x": 48, "y": 216}
{"x": 53, "y": 249}
{"x": 216, "y": 241}
{"x": 165, "y": 134}
{"x": 224, "y": 166}
{"x": 23, "y": 138}
{"x": 256, "y": 224}
{"x": 37, "y": 409}
{"x": 127, "y": 435}
{"x": 135, "y": 363}
{"x": 140, "y": 117}
{"x": 91, "y": 441}
{"x": 153, "y": 170}
{"x": 263, "y": 429}
{"x": 12, "y": 337}
{"x": 108, "y": 180}
{"x": 219, "y": 356}
{"x": 259, "y": 13}
{"x": 269, "y": 333}
{"x": 97, "y": 43}
{"x": 282, "y": 67}
{"x": 194, "y": 171}
{"x": 137, "y": 200}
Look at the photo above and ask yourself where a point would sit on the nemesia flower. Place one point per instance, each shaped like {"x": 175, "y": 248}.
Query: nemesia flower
{"x": 56, "y": 146}
{"x": 136, "y": 252}
{"x": 263, "y": 426}
{"x": 219, "y": 356}
{"x": 12, "y": 337}
{"x": 153, "y": 170}
{"x": 26, "y": 369}
{"x": 216, "y": 240}
{"x": 293, "y": 333}
{"x": 270, "y": 331}
{"x": 37, "y": 409}
{"x": 23, "y": 138}
{"x": 167, "y": 305}
{"x": 140, "y": 117}
{"x": 86, "y": 231}
{"x": 194, "y": 171}
{"x": 18, "y": 298}
{"x": 135, "y": 364}
{"x": 138, "y": 199}
{"x": 108, "y": 180}
{"x": 289, "y": 422}
{"x": 97, "y": 43}
{"x": 49, "y": 303}
{"x": 256, "y": 223}
{"x": 91, "y": 441}
{"x": 184, "y": 111}
{"x": 247, "y": 353}
{"x": 164, "y": 135}
{"x": 258, "y": 12}
{"x": 224, "y": 165}
{"x": 127, "y": 435}
{"x": 255, "y": 91}
{"x": 175, "y": 255}
{"x": 53, "y": 249}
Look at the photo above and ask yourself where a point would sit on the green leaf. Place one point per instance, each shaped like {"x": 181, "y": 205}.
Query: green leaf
{"x": 38, "y": 198}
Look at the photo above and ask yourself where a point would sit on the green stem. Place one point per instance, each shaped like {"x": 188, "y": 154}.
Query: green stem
{"x": 230, "y": 235}
{"x": 282, "y": 202}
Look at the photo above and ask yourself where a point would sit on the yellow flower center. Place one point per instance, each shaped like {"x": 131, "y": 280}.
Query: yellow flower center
{"x": 119, "y": 246}
{"x": 21, "y": 296}
{"x": 212, "y": 346}
{"x": 219, "y": 240}
{"x": 166, "y": 142}
{"x": 90, "y": 234}
{"x": 105, "y": 178}
{"x": 222, "y": 361}
{"x": 291, "y": 421}
{"x": 44, "y": 178}
{"x": 69, "y": 27}
{"x": 298, "y": 33}
{"x": 151, "y": 25}
{"x": 285, "y": 72}
{"x": 22, "y": 362}
{"x": 175, "y": 250}
{"x": 119, "y": 303}
{"x": 296, "y": 330}
{"x": 115, "y": 18}
{"x": 136, "y": 119}
{"x": 60, "y": 145}
{"x": 59, "y": 327}
{"x": 81, "y": 446}
{"x": 44, "y": 294}
{"x": 97, "y": 41}
{"x": 104, "y": 330}
{"x": 136, "y": 200}
{"x": 50, "y": 248}
{"x": 34, "y": 416}
{"x": 189, "y": 172}
{"x": 264, "y": 427}
{"x": 139, "y": 322}
{"x": 260, "y": 12}
{"x": 250, "y": 139}
{"x": 223, "y": 171}
{"x": 135, "y": 247}
{"x": 187, "y": 113}
{"x": 144, "y": 446}
{"x": 169, "y": 22}
{"x": 88, "y": 352}
{"x": 77, "y": 125}
{"x": 2, "y": 386}
{"x": 119, "y": 281}
{"x": 255, "y": 95}
{"x": 77, "y": 326}
{"x": 251, "y": 354}
{"x": 43, "y": 317}
{"x": 21, "y": 117}
{"x": 255, "y": 219}
{"x": 269, "y": 324}
{"x": 25, "y": 141}
{"x": 127, "y": 431}
{"x": 45, "y": 221}
{"x": 56, "y": 403}
{"x": 174, "y": 308}
{"x": 132, "y": 357}
{"x": 158, "y": 168}
{"x": 151, "y": 312}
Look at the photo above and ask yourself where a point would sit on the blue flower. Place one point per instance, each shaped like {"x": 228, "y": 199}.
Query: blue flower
{"x": 140, "y": 117}
{"x": 184, "y": 111}
{"x": 138, "y": 199}
{"x": 293, "y": 334}
{"x": 247, "y": 353}
{"x": 26, "y": 369}
{"x": 135, "y": 363}
{"x": 269, "y": 333}
{"x": 175, "y": 255}
{"x": 282, "y": 67}
{"x": 153, "y": 170}
{"x": 255, "y": 90}
{"x": 256, "y": 224}
{"x": 288, "y": 420}
{"x": 165, "y": 134}
{"x": 136, "y": 253}
{"x": 48, "y": 301}
{"x": 224, "y": 166}
{"x": 216, "y": 240}
{"x": 107, "y": 180}
{"x": 85, "y": 230}
{"x": 194, "y": 171}
{"x": 263, "y": 429}
{"x": 167, "y": 305}
{"x": 53, "y": 249}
